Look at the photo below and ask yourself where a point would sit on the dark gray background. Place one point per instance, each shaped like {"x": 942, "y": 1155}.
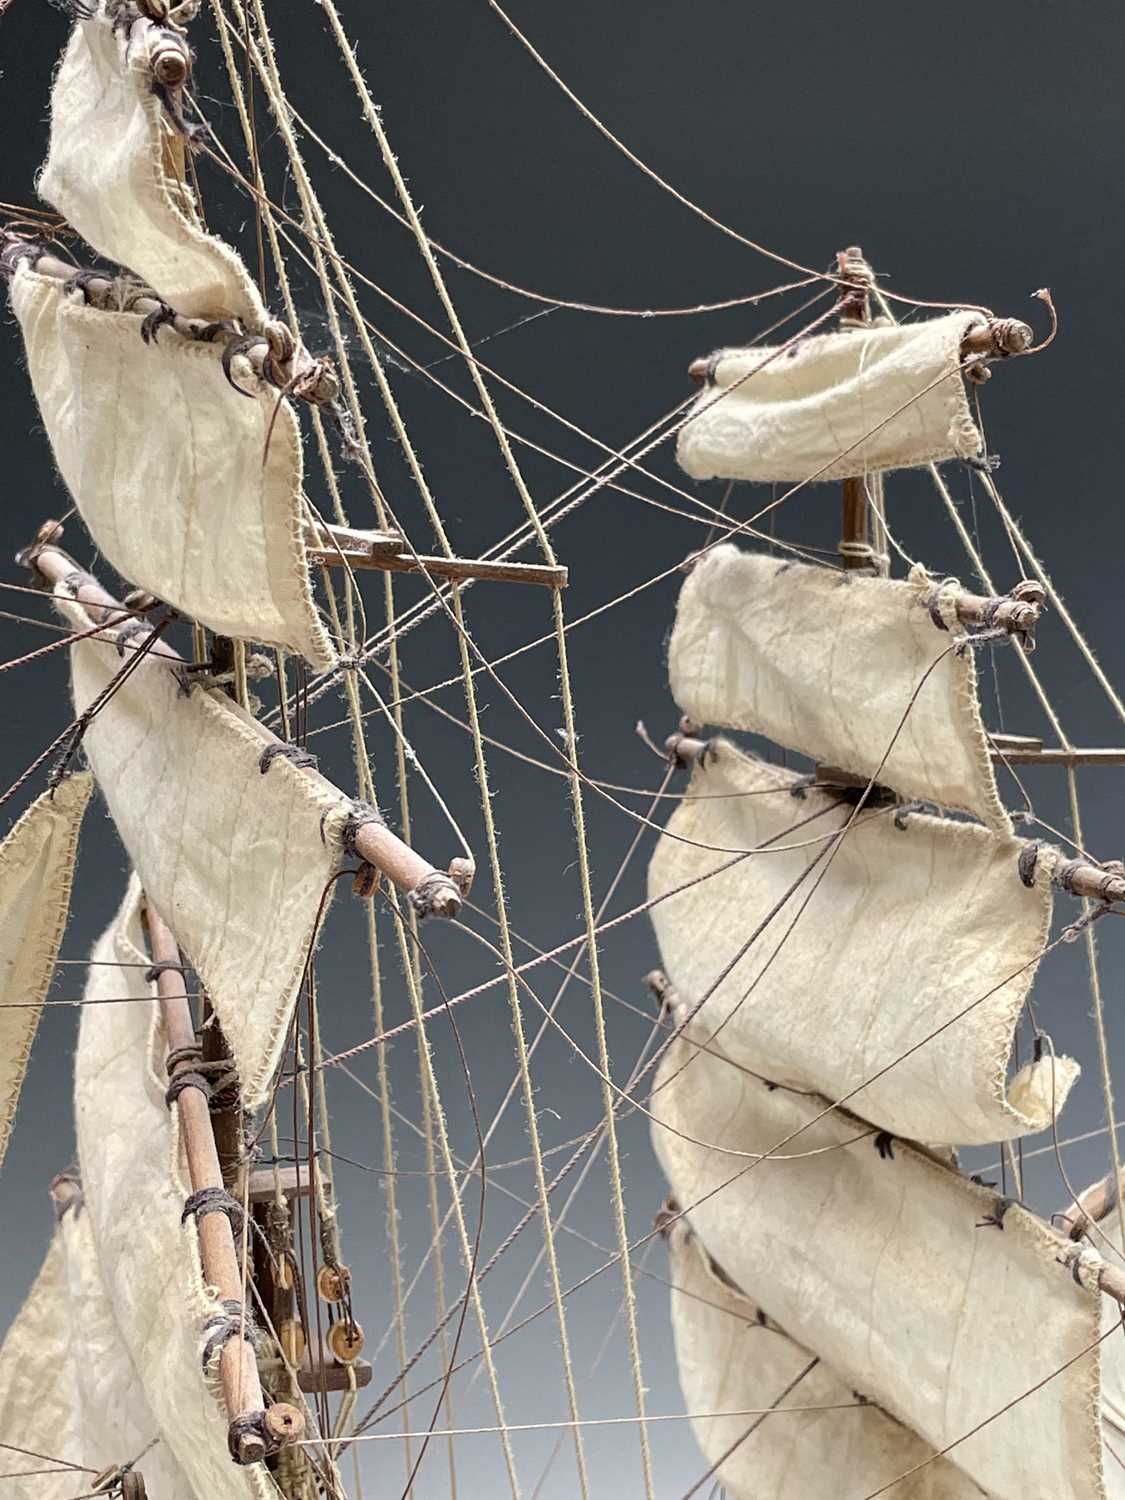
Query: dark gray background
{"x": 975, "y": 153}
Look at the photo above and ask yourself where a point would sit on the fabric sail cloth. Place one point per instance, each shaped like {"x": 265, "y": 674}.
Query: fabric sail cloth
{"x": 135, "y": 1185}
{"x": 237, "y": 862}
{"x": 68, "y": 1388}
{"x": 834, "y": 406}
{"x": 890, "y": 1270}
{"x": 731, "y": 1360}
{"x": 105, "y": 174}
{"x": 854, "y": 674}
{"x": 917, "y": 949}
{"x": 36, "y": 870}
{"x": 145, "y": 434}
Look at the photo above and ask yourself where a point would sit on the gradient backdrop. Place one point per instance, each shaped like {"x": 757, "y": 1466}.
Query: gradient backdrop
{"x": 975, "y": 152}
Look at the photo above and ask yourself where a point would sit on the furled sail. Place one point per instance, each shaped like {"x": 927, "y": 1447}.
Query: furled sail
{"x": 910, "y": 930}
{"x": 36, "y": 867}
{"x": 135, "y": 1185}
{"x": 733, "y": 1360}
{"x": 829, "y": 664}
{"x": 107, "y": 174}
{"x": 237, "y": 854}
{"x": 834, "y": 406}
{"x": 896, "y": 1271}
{"x": 190, "y": 488}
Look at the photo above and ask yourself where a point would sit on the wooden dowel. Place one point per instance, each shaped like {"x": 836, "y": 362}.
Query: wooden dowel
{"x": 287, "y": 365}
{"x": 1018, "y": 612}
{"x": 238, "y": 1369}
{"x": 1094, "y": 1204}
{"x": 996, "y": 339}
{"x": 432, "y": 892}
{"x": 1053, "y": 756}
{"x": 387, "y": 560}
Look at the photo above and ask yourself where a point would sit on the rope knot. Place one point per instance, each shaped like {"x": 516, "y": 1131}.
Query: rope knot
{"x": 234, "y": 1320}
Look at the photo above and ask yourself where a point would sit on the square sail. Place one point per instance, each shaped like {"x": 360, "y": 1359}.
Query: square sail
{"x": 238, "y": 860}
{"x": 850, "y": 671}
{"x": 190, "y": 488}
{"x": 917, "y": 948}
{"x": 834, "y": 406}
{"x": 733, "y": 1361}
{"x": 944, "y": 1304}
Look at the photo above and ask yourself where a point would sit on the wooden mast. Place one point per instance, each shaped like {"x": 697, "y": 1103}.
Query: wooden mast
{"x": 855, "y": 530}
{"x": 238, "y": 1369}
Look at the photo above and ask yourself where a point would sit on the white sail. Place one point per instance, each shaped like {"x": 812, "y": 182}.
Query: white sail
{"x": 829, "y": 664}
{"x": 834, "y": 406}
{"x": 170, "y": 468}
{"x": 237, "y": 861}
{"x": 36, "y": 868}
{"x": 68, "y": 1389}
{"x": 909, "y": 931}
{"x": 106, "y": 173}
{"x": 892, "y": 1271}
{"x": 731, "y": 1360}
{"x": 135, "y": 1185}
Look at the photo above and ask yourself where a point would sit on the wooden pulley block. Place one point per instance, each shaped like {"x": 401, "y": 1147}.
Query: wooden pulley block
{"x": 345, "y": 1343}
{"x": 283, "y": 1423}
{"x": 106, "y": 1479}
{"x": 291, "y": 1337}
{"x": 332, "y": 1282}
{"x": 283, "y": 1274}
{"x": 133, "y": 1485}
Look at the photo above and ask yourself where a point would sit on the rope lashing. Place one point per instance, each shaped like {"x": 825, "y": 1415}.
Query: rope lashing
{"x": 995, "y": 1220}
{"x": 163, "y": 966}
{"x": 800, "y": 788}
{"x": 297, "y": 755}
{"x": 81, "y": 282}
{"x": 154, "y": 321}
{"x": 234, "y": 1321}
{"x": 424, "y": 895}
{"x": 232, "y": 351}
{"x": 884, "y": 1143}
{"x": 20, "y": 252}
{"x": 1085, "y": 1266}
{"x": 903, "y": 813}
{"x": 189, "y": 1079}
{"x": 214, "y": 1200}
{"x": 360, "y": 815}
{"x": 179, "y": 1055}
{"x": 863, "y": 552}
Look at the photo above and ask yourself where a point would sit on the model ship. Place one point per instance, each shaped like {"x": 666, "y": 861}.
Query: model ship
{"x": 847, "y": 953}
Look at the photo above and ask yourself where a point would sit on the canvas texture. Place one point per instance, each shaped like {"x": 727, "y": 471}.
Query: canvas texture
{"x": 67, "y": 1386}
{"x": 164, "y": 461}
{"x": 834, "y": 406}
{"x": 135, "y": 1183}
{"x": 36, "y": 869}
{"x": 921, "y": 938}
{"x": 848, "y": 670}
{"x": 890, "y": 1269}
{"x": 105, "y": 174}
{"x": 237, "y": 862}
{"x": 731, "y": 1359}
